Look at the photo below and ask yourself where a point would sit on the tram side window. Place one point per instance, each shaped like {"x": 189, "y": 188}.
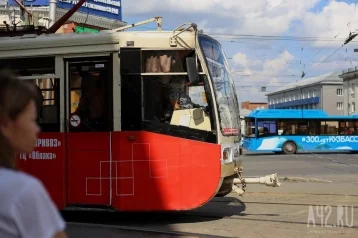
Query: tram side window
{"x": 36, "y": 71}
{"x": 131, "y": 89}
{"x": 167, "y": 92}
{"x": 48, "y": 103}
{"x": 166, "y": 61}
{"x": 329, "y": 128}
{"x": 162, "y": 98}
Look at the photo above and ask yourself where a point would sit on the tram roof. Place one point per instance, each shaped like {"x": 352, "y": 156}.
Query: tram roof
{"x": 111, "y": 41}
{"x": 296, "y": 114}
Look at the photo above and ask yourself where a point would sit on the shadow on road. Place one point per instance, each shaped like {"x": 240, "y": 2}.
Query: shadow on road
{"x": 216, "y": 209}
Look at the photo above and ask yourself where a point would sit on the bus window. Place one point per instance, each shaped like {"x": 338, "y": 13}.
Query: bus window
{"x": 267, "y": 128}
{"x": 345, "y": 128}
{"x": 353, "y": 127}
{"x": 302, "y": 128}
{"x": 314, "y": 127}
{"x": 287, "y": 127}
{"x": 249, "y": 128}
{"x": 329, "y": 127}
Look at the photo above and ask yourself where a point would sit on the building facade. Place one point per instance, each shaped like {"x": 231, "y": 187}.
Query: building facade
{"x": 94, "y": 15}
{"x": 243, "y": 114}
{"x": 253, "y": 105}
{"x": 350, "y": 90}
{"x": 322, "y": 92}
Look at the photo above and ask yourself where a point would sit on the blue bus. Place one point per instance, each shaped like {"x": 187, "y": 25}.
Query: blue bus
{"x": 298, "y": 130}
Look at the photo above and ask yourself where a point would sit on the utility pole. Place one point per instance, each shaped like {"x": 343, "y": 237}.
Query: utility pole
{"x": 52, "y": 12}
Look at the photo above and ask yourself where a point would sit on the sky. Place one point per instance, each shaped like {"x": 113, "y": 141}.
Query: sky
{"x": 269, "y": 43}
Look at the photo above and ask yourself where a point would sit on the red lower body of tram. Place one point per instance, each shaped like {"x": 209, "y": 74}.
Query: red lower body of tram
{"x": 127, "y": 171}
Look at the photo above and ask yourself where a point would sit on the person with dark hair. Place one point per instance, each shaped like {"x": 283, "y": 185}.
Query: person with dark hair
{"x": 40, "y": 98}
{"x": 26, "y": 209}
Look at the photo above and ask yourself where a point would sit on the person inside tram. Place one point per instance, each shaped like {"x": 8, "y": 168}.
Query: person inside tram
{"x": 175, "y": 88}
{"x": 177, "y": 96}
{"x": 91, "y": 107}
{"x": 26, "y": 209}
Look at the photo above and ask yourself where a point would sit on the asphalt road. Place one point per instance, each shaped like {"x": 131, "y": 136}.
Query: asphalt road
{"x": 262, "y": 211}
{"x": 340, "y": 169}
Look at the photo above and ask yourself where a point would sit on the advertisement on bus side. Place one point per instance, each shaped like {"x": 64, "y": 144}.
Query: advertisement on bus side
{"x": 303, "y": 143}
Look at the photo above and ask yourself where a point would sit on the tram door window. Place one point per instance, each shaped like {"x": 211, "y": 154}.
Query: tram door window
{"x": 90, "y": 96}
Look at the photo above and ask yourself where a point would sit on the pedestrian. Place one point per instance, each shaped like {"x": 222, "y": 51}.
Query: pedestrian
{"x": 26, "y": 209}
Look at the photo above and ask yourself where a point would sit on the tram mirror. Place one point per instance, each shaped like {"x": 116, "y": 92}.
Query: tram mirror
{"x": 192, "y": 70}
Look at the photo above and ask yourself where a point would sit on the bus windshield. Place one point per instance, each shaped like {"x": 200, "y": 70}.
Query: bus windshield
{"x": 224, "y": 87}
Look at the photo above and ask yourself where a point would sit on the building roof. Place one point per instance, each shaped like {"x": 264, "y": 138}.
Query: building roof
{"x": 297, "y": 114}
{"x": 332, "y": 77}
{"x": 351, "y": 73}
{"x": 244, "y": 112}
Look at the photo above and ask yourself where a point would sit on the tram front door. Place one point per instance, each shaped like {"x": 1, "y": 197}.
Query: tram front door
{"x": 88, "y": 108}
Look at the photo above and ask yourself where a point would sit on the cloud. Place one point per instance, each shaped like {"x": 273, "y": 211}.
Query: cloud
{"x": 331, "y": 21}
{"x": 260, "y": 58}
{"x": 257, "y": 16}
{"x": 252, "y": 74}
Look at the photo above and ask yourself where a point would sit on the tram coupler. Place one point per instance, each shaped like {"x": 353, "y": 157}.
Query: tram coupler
{"x": 238, "y": 190}
{"x": 269, "y": 180}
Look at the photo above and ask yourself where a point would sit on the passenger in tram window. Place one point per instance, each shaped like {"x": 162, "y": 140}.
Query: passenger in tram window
{"x": 26, "y": 209}
{"x": 178, "y": 94}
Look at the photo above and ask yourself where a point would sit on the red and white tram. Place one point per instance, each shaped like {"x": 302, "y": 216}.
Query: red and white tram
{"x": 113, "y": 133}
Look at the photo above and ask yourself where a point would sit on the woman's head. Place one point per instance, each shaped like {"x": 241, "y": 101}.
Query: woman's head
{"x": 18, "y": 118}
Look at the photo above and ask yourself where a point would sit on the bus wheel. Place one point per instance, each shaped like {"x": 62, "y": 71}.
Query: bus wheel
{"x": 289, "y": 148}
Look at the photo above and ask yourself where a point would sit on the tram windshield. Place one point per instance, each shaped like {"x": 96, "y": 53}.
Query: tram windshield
{"x": 225, "y": 92}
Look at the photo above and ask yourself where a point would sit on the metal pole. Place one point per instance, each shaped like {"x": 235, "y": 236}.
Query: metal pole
{"x": 65, "y": 17}
{"x": 52, "y": 12}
